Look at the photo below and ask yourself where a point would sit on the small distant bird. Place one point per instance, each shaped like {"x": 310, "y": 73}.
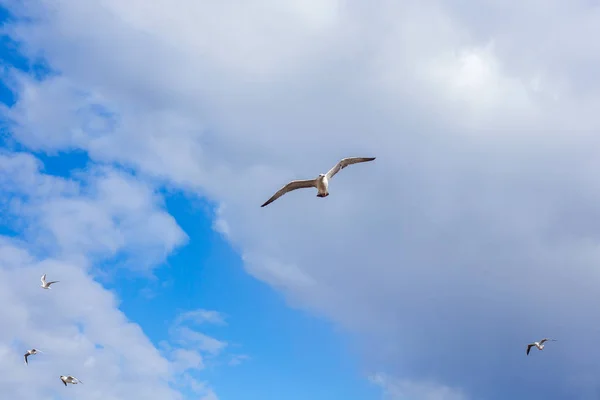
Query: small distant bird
{"x": 539, "y": 345}
{"x": 46, "y": 285}
{"x": 30, "y": 353}
{"x": 69, "y": 379}
{"x": 321, "y": 182}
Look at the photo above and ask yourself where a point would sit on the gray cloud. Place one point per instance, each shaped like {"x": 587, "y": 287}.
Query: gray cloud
{"x": 474, "y": 231}
{"x": 398, "y": 390}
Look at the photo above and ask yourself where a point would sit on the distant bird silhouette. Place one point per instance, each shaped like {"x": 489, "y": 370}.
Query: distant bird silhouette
{"x": 539, "y": 345}
{"x": 30, "y": 353}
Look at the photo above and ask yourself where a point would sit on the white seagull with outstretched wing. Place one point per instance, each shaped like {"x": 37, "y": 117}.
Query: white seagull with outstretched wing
{"x": 30, "y": 353}
{"x": 69, "y": 379}
{"x": 539, "y": 345}
{"x": 46, "y": 285}
{"x": 321, "y": 182}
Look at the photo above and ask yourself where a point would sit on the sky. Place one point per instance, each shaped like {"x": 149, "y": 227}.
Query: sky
{"x": 139, "y": 140}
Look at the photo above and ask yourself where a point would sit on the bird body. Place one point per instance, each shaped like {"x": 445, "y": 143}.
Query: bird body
{"x": 30, "y": 353}
{"x": 69, "y": 379}
{"x": 46, "y": 285}
{"x": 321, "y": 182}
{"x": 539, "y": 345}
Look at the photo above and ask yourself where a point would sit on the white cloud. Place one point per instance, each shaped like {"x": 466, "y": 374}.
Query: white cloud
{"x": 201, "y": 316}
{"x": 69, "y": 332}
{"x": 66, "y": 226}
{"x": 188, "y": 348}
{"x": 478, "y": 212}
{"x": 106, "y": 214}
{"x": 237, "y": 359}
{"x": 187, "y": 359}
{"x": 403, "y": 390}
{"x": 185, "y": 335}
{"x": 200, "y": 388}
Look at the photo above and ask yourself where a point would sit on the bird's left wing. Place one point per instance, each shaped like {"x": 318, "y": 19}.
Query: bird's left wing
{"x": 345, "y": 162}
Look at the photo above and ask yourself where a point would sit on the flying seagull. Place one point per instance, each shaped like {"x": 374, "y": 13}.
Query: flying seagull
{"x": 69, "y": 379}
{"x": 31, "y": 352}
{"x": 539, "y": 345}
{"x": 321, "y": 182}
{"x": 46, "y": 285}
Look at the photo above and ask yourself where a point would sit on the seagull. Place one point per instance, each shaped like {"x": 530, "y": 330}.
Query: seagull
{"x": 69, "y": 379}
{"x": 31, "y": 352}
{"x": 46, "y": 285}
{"x": 539, "y": 345}
{"x": 321, "y": 182}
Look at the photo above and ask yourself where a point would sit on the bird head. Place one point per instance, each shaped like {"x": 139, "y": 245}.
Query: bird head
{"x": 321, "y": 175}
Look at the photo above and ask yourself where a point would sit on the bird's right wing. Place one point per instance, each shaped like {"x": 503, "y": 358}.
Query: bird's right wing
{"x": 50, "y": 283}
{"x": 26, "y": 355}
{"x": 293, "y": 185}
{"x": 43, "y": 278}
{"x": 529, "y": 348}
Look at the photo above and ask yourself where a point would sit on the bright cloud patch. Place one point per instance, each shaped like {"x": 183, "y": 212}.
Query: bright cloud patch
{"x": 105, "y": 214}
{"x": 69, "y": 224}
{"x": 80, "y": 330}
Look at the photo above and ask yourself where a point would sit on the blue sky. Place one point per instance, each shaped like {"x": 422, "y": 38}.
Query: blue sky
{"x": 134, "y": 171}
{"x": 291, "y": 348}
{"x": 292, "y": 354}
